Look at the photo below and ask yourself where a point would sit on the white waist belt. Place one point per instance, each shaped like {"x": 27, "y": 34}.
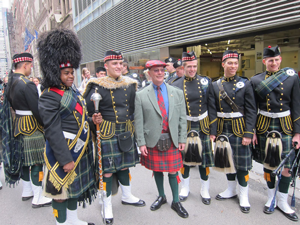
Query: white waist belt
{"x": 229, "y": 115}
{"x": 24, "y": 112}
{"x": 69, "y": 135}
{"x": 275, "y": 115}
{"x": 197, "y": 118}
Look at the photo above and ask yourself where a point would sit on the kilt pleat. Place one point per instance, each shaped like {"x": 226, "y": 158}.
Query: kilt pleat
{"x": 113, "y": 159}
{"x": 167, "y": 161}
{"x": 261, "y": 139}
{"x": 84, "y": 186}
{"x": 207, "y": 154}
{"x": 241, "y": 153}
{"x": 34, "y": 146}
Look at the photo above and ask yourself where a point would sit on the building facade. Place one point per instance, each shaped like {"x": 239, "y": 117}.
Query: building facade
{"x": 30, "y": 18}
{"x": 145, "y": 30}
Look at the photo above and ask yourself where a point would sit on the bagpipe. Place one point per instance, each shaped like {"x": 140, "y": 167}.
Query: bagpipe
{"x": 294, "y": 155}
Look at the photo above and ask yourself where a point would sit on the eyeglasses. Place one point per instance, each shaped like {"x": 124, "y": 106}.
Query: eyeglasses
{"x": 159, "y": 70}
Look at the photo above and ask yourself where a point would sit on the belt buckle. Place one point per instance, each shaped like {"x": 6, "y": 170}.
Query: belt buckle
{"x": 223, "y": 95}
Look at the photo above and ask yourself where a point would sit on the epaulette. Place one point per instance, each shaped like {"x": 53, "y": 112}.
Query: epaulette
{"x": 177, "y": 78}
{"x": 204, "y": 76}
{"x": 245, "y": 78}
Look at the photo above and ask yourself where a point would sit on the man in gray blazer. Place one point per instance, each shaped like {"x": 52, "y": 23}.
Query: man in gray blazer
{"x": 160, "y": 126}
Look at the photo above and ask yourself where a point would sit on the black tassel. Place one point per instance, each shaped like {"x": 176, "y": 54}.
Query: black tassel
{"x": 217, "y": 156}
{"x": 221, "y": 159}
{"x": 198, "y": 158}
{"x": 268, "y": 158}
{"x": 188, "y": 155}
{"x": 272, "y": 159}
{"x": 226, "y": 159}
{"x": 277, "y": 159}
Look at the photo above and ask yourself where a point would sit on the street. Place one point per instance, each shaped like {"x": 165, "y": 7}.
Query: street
{"x": 14, "y": 211}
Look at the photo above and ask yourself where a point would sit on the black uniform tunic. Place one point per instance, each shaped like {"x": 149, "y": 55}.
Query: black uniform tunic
{"x": 241, "y": 92}
{"x": 284, "y": 97}
{"x": 196, "y": 91}
{"x": 49, "y": 107}
{"x": 116, "y": 108}
{"x": 23, "y": 95}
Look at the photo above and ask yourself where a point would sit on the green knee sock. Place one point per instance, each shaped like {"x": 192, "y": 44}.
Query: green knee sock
{"x": 231, "y": 176}
{"x": 284, "y": 184}
{"x": 269, "y": 178}
{"x": 123, "y": 177}
{"x": 186, "y": 173}
{"x": 159, "y": 180}
{"x": 60, "y": 211}
{"x": 35, "y": 172}
{"x": 242, "y": 177}
{"x": 202, "y": 172}
{"x": 174, "y": 186}
{"x": 25, "y": 175}
{"x": 108, "y": 181}
{"x": 72, "y": 203}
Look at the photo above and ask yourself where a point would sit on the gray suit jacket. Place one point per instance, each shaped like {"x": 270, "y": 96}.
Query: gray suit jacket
{"x": 148, "y": 119}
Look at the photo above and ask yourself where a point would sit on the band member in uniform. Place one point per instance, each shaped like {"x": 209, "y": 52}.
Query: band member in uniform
{"x": 277, "y": 94}
{"x": 70, "y": 176}
{"x": 179, "y": 71}
{"x": 195, "y": 90}
{"x": 160, "y": 125}
{"x": 126, "y": 72}
{"x": 26, "y": 154}
{"x": 232, "y": 112}
{"x": 170, "y": 67}
{"x": 116, "y": 108}
{"x": 100, "y": 72}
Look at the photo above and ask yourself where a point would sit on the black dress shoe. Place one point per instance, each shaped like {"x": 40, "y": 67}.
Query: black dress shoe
{"x": 91, "y": 224}
{"x": 177, "y": 207}
{"x": 26, "y": 198}
{"x": 158, "y": 203}
{"x": 267, "y": 210}
{"x": 140, "y": 203}
{"x": 219, "y": 197}
{"x": 183, "y": 198}
{"x": 245, "y": 209}
{"x": 109, "y": 221}
{"x": 206, "y": 201}
{"x": 292, "y": 216}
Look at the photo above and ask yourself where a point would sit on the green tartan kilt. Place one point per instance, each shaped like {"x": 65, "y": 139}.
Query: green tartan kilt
{"x": 113, "y": 159}
{"x": 207, "y": 154}
{"x": 261, "y": 139}
{"x": 241, "y": 154}
{"x": 34, "y": 146}
{"x": 84, "y": 186}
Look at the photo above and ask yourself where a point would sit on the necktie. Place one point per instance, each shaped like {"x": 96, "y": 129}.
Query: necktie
{"x": 161, "y": 104}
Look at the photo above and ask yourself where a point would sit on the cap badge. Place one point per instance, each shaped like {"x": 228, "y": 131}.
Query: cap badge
{"x": 240, "y": 84}
{"x": 204, "y": 81}
{"x": 170, "y": 59}
{"x": 134, "y": 75}
{"x": 290, "y": 72}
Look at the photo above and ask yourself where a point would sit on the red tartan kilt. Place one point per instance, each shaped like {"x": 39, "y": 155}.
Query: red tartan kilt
{"x": 167, "y": 161}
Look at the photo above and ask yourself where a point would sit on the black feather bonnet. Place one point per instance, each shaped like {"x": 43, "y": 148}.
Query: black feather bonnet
{"x": 56, "y": 48}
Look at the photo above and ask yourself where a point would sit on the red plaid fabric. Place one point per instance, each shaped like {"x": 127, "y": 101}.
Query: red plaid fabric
{"x": 188, "y": 58}
{"x": 111, "y": 57}
{"x": 167, "y": 161}
{"x": 22, "y": 59}
{"x": 64, "y": 65}
{"x": 152, "y": 63}
{"x": 230, "y": 55}
{"x": 161, "y": 104}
